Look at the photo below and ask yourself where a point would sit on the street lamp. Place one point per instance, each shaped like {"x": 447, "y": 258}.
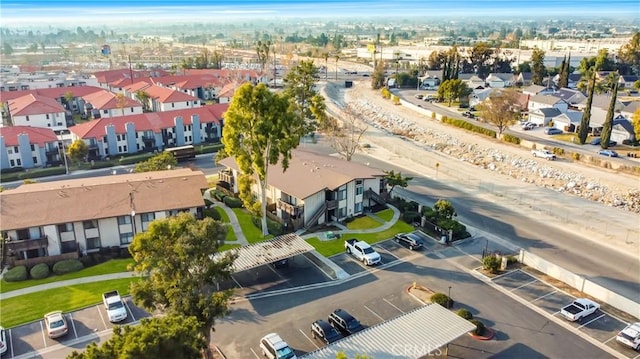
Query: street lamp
{"x": 449, "y": 298}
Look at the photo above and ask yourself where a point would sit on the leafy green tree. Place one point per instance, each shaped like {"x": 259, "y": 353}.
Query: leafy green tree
{"x": 68, "y": 98}
{"x": 171, "y": 336}
{"x": 394, "y": 179}
{"x": 78, "y": 151}
{"x": 160, "y": 162}
{"x": 501, "y": 109}
{"x": 537, "y": 66}
{"x": 607, "y": 126}
{"x": 479, "y": 60}
{"x": 635, "y": 120}
{"x": 300, "y": 85}
{"x": 342, "y": 355}
{"x": 261, "y": 129}
{"x": 179, "y": 262}
{"x": 143, "y": 97}
{"x": 453, "y": 89}
{"x": 629, "y": 54}
{"x": 437, "y": 60}
{"x": 586, "y": 114}
{"x": 377, "y": 77}
{"x": 444, "y": 209}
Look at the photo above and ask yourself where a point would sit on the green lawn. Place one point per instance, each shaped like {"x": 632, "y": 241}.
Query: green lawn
{"x": 29, "y": 307}
{"x": 385, "y": 215}
{"x": 224, "y": 217}
{"x": 251, "y": 232}
{"x": 228, "y": 246}
{"x": 112, "y": 266}
{"x": 231, "y": 235}
{"x": 364, "y": 222}
{"x": 335, "y": 246}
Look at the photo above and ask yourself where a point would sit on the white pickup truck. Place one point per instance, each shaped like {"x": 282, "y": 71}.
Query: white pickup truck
{"x": 114, "y": 305}
{"x": 548, "y": 155}
{"x": 579, "y": 309}
{"x": 362, "y": 251}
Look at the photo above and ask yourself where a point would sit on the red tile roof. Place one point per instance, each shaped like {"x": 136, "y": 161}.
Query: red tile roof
{"x": 120, "y": 76}
{"x": 222, "y": 73}
{"x": 56, "y": 92}
{"x": 167, "y": 95}
{"x": 104, "y": 100}
{"x": 152, "y": 121}
{"x": 137, "y": 86}
{"x": 190, "y": 82}
{"x": 34, "y": 105}
{"x": 37, "y": 135}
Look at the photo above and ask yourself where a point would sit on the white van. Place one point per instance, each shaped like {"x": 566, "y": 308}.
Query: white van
{"x": 273, "y": 347}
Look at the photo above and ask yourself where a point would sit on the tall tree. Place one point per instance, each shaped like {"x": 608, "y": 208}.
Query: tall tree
{"x": 160, "y": 162}
{"x": 162, "y": 337}
{"x": 337, "y": 57}
{"x": 121, "y": 102}
{"x": 629, "y": 54}
{"x": 501, "y": 109}
{"x": 345, "y": 136}
{"x": 68, "y": 98}
{"x": 537, "y": 66}
{"x": 607, "y": 126}
{"x": 143, "y": 97}
{"x": 453, "y": 89}
{"x": 479, "y": 59}
{"x": 635, "y": 121}
{"x": 300, "y": 85}
{"x": 377, "y": 77}
{"x": 436, "y": 60}
{"x": 261, "y": 129}
{"x": 262, "y": 50}
{"x": 586, "y": 115}
{"x": 179, "y": 260}
{"x": 564, "y": 73}
{"x": 394, "y": 179}
{"x": 77, "y": 151}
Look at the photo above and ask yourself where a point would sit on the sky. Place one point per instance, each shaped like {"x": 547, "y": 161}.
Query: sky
{"x": 23, "y": 12}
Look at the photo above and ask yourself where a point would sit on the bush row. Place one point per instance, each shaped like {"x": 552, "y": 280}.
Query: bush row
{"x": 273, "y": 227}
{"x": 469, "y": 126}
{"x": 511, "y": 139}
{"x": 34, "y": 173}
{"x": 232, "y": 202}
{"x": 39, "y": 271}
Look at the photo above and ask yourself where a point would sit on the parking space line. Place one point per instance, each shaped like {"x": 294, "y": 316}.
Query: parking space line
{"x": 254, "y": 353}
{"x": 44, "y": 340}
{"x": 524, "y": 285}
{"x": 374, "y": 313}
{"x": 127, "y": 305}
{"x": 393, "y": 305}
{"x": 384, "y": 249}
{"x": 73, "y": 326}
{"x": 467, "y": 254}
{"x": 591, "y": 321}
{"x": 312, "y": 342}
{"x": 542, "y": 296}
{"x": 608, "y": 340}
{"x": 101, "y": 317}
{"x": 505, "y": 274}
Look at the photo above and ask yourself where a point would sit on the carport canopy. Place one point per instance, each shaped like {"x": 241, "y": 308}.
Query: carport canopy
{"x": 414, "y": 334}
{"x": 273, "y": 250}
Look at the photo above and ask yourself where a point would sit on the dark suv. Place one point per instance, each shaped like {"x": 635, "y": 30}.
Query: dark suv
{"x": 409, "y": 240}
{"x": 324, "y": 331}
{"x": 344, "y": 322}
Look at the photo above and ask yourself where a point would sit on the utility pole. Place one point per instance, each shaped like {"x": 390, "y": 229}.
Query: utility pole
{"x": 275, "y": 71}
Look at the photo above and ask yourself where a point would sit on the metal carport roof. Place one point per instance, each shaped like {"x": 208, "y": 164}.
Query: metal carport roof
{"x": 412, "y": 335}
{"x": 266, "y": 252}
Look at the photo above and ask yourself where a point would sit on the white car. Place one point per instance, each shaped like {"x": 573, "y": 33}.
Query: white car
{"x": 273, "y": 347}
{"x": 3, "y": 341}
{"x": 56, "y": 324}
{"x": 630, "y": 336}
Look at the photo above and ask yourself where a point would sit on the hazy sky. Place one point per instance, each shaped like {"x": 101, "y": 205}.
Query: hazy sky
{"x": 27, "y": 12}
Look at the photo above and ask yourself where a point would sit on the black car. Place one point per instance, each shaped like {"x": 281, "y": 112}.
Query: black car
{"x": 596, "y": 141}
{"x": 322, "y": 330}
{"x": 409, "y": 240}
{"x": 344, "y": 322}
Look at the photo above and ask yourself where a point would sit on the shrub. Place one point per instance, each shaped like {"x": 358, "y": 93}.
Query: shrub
{"x": 576, "y": 156}
{"x": 232, "y": 202}
{"x": 491, "y": 263}
{"x": 366, "y": 145}
{"x": 67, "y": 266}
{"x": 433, "y": 115}
{"x": 16, "y": 274}
{"x": 207, "y": 202}
{"x": 219, "y": 195}
{"x": 212, "y": 213}
{"x": 469, "y": 126}
{"x": 464, "y": 314}
{"x": 512, "y": 260}
{"x": 442, "y": 299}
{"x": 510, "y": 138}
{"x": 558, "y": 151}
{"x": 273, "y": 227}
{"x": 39, "y": 271}
{"x": 479, "y": 327}
{"x": 411, "y": 217}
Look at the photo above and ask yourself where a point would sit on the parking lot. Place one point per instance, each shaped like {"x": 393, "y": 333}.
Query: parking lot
{"x": 82, "y": 323}
{"x": 600, "y": 325}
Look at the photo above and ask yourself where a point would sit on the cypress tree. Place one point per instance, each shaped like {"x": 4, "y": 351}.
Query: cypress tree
{"x": 586, "y": 115}
{"x": 563, "y": 75}
{"x": 608, "y": 121}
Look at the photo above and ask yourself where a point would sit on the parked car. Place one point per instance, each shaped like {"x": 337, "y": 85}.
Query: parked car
{"x": 273, "y": 347}
{"x": 362, "y": 251}
{"x": 630, "y": 336}
{"x": 579, "y": 309}
{"x": 409, "y": 240}
{"x": 608, "y": 153}
{"x": 114, "y": 305}
{"x": 419, "y": 96}
{"x": 344, "y": 322}
{"x": 3, "y": 341}
{"x": 596, "y": 141}
{"x": 468, "y": 114}
{"x": 528, "y": 126}
{"x": 546, "y": 154}
{"x": 552, "y": 131}
{"x": 56, "y": 324}
{"x": 321, "y": 329}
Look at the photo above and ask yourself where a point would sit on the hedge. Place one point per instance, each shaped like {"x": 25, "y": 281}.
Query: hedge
{"x": 40, "y": 271}
{"x": 33, "y": 173}
{"x": 465, "y": 314}
{"x": 212, "y": 213}
{"x": 411, "y": 217}
{"x": 479, "y": 327}
{"x": 469, "y": 126}
{"x": 16, "y": 274}
{"x": 218, "y": 195}
{"x": 207, "y": 202}
{"x": 510, "y": 138}
{"x": 232, "y": 202}
{"x": 442, "y": 299}
{"x": 67, "y": 266}
{"x": 273, "y": 227}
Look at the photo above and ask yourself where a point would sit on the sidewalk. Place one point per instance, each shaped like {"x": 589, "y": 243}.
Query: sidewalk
{"x": 234, "y": 224}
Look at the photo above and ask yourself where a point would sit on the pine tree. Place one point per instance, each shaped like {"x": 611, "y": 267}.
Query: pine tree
{"x": 586, "y": 116}
{"x": 563, "y": 74}
{"x": 608, "y": 121}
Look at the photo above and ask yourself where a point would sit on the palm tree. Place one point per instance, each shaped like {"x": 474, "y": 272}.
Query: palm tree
{"x": 337, "y": 58}
{"x": 326, "y": 65}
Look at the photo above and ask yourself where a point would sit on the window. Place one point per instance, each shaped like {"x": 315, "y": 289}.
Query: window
{"x": 148, "y": 217}
{"x": 342, "y": 212}
{"x": 35, "y": 160}
{"x": 124, "y": 148}
{"x": 65, "y": 227}
{"x": 12, "y": 162}
{"x": 358, "y": 207}
{"x": 16, "y": 149}
{"x": 10, "y": 150}
{"x": 93, "y": 243}
{"x": 173, "y": 104}
{"x": 33, "y": 148}
{"x": 47, "y": 116}
{"x": 359, "y": 189}
{"x": 119, "y": 149}
{"x": 27, "y": 118}
{"x": 19, "y": 162}
{"x": 124, "y": 220}
{"x": 126, "y": 238}
{"x": 90, "y": 224}
{"x": 105, "y": 111}
{"x": 342, "y": 193}
{"x": 132, "y": 110}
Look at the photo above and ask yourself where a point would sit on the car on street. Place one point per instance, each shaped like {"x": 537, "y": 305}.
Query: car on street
{"x": 56, "y": 324}
{"x": 273, "y": 347}
{"x": 552, "y": 131}
{"x": 409, "y": 240}
{"x": 3, "y": 341}
{"x": 321, "y": 329}
{"x": 344, "y": 322}
{"x": 468, "y": 114}
{"x": 630, "y": 336}
{"x": 608, "y": 153}
{"x": 419, "y": 96}
{"x": 596, "y": 141}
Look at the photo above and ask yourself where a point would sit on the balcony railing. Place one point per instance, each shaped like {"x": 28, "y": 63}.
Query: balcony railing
{"x": 27, "y": 244}
{"x": 51, "y": 150}
{"x": 226, "y": 177}
{"x": 332, "y": 204}
{"x": 290, "y": 208}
